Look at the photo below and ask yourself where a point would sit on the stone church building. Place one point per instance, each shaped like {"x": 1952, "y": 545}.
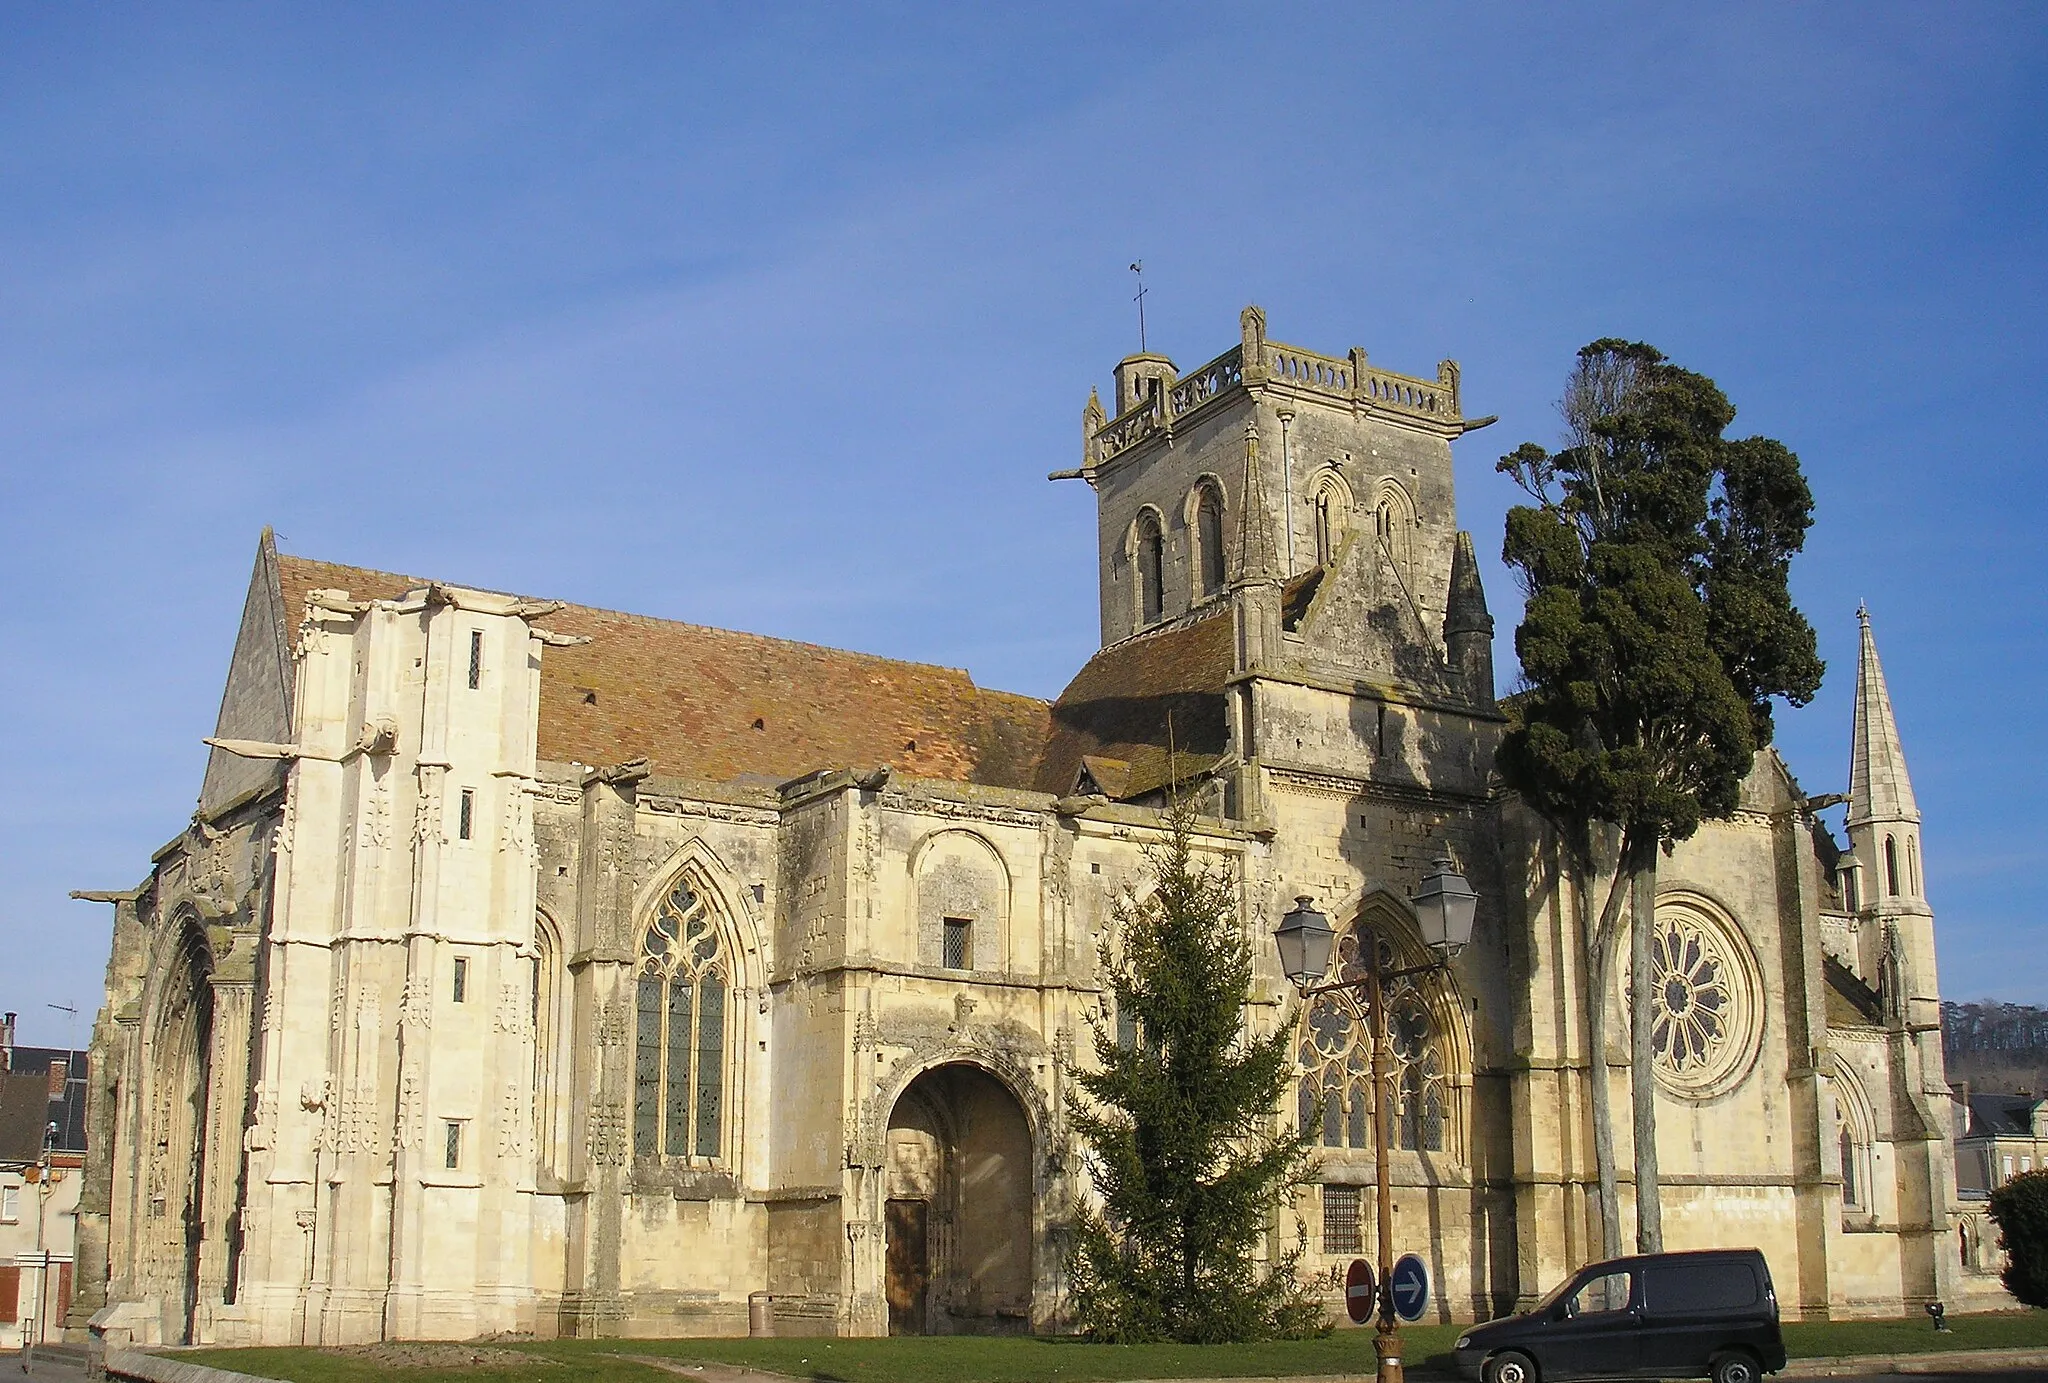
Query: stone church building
{"x": 531, "y": 967}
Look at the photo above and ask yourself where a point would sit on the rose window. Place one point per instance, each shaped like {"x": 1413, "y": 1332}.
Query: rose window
{"x": 1692, "y": 998}
{"x": 1705, "y": 1019}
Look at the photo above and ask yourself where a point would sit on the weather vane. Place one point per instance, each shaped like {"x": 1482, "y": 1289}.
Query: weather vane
{"x": 1138, "y": 268}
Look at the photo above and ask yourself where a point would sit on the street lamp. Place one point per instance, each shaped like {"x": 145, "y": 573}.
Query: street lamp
{"x": 1444, "y": 908}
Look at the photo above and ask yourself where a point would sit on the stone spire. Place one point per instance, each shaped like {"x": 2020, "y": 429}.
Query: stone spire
{"x": 1468, "y": 628}
{"x": 1879, "y": 789}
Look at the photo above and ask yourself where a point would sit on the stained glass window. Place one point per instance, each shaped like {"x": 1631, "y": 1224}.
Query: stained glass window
{"x": 679, "y": 1030}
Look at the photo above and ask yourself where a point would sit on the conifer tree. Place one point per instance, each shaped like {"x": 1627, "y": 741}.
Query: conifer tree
{"x": 1179, "y": 1122}
{"x": 1657, "y": 630}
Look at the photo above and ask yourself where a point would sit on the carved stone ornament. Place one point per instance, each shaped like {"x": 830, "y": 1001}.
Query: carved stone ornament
{"x": 608, "y": 1136}
{"x": 416, "y": 1009}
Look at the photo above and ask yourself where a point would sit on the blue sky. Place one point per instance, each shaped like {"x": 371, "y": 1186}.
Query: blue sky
{"x": 776, "y": 318}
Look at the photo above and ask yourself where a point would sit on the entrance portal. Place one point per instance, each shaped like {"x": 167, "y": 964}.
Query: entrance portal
{"x": 959, "y": 1207}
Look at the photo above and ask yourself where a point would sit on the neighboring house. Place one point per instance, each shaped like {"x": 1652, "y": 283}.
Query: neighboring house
{"x": 2007, "y": 1136}
{"x": 535, "y": 967}
{"x": 42, "y": 1154}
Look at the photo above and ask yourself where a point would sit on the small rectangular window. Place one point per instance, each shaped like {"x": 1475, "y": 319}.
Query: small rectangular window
{"x": 453, "y": 1160}
{"x": 10, "y": 1203}
{"x": 465, "y": 819}
{"x": 959, "y": 943}
{"x": 1341, "y": 1231}
{"x": 461, "y": 980}
{"x": 476, "y": 658}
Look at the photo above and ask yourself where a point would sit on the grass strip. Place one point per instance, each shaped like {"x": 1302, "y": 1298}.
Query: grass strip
{"x": 967, "y": 1359}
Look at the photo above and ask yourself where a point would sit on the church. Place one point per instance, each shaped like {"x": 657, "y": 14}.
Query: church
{"x": 529, "y": 967}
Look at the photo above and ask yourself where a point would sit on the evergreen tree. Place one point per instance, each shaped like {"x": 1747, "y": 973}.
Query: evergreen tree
{"x": 1178, "y": 1119}
{"x": 1657, "y": 630}
{"x": 2020, "y": 1210}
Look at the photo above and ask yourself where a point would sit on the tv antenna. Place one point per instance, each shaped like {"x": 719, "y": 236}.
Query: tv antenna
{"x": 1138, "y": 268}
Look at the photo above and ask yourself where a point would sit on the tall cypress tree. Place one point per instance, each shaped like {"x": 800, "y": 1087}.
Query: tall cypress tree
{"x": 1658, "y": 628}
{"x": 1179, "y": 1122}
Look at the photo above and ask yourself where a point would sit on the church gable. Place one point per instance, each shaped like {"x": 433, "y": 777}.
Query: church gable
{"x": 256, "y": 703}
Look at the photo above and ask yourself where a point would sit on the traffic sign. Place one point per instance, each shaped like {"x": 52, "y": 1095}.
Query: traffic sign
{"x": 1408, "y": 1284}
{"x": 1361, "y": 1293}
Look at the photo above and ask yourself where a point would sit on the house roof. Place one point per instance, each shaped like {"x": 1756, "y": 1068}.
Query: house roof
{"x": 1131, "y": 700}
{"x": 718, "y": 705}
{"x": 31, "y": 1065}
{"x": 2002, "y": 1116}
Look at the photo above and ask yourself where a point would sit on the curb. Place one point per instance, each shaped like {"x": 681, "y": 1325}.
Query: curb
{"x": 1944, "y": 1361}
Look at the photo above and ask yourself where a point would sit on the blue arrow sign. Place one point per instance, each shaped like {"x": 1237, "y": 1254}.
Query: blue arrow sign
{"x": 1409, "y": 1284}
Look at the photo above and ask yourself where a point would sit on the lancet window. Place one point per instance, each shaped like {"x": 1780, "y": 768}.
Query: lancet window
{"x": 1209, "y": 538}
{"x": 679, "y": 1038}
{"x": 1151, "y": 565}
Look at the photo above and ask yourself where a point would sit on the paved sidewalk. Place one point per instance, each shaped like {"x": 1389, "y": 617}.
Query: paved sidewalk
{"x": 1945, "y": 1361}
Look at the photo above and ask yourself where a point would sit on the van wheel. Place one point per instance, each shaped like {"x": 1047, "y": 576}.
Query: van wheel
{"x": 1736, "y": 1366}
{"x": 1513, "y": 1366}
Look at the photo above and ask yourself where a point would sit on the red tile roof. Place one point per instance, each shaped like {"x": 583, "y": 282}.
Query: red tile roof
{"x": 1126, "y": 699}
{"x": 714, "y": 704}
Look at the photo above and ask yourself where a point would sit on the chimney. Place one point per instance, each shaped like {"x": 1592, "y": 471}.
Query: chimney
{"x": 7, "y": 1042}
{"x": 59, "y": 1072}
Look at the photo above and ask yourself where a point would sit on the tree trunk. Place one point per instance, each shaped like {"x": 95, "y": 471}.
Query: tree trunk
{"x": 1641, "y": 855}
{"x": 1598, "y": 952}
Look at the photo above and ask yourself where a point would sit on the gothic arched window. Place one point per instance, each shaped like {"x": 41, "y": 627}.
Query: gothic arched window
{"x": 1209, "y": 539}
{"x": 1891, "y": 867}
{"x": 680, "y": 1030}
{"x": 1336, "y": 1063}
{"x": 1151, "y": 570}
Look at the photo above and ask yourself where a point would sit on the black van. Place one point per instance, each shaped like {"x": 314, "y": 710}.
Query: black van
{"x": 1712, "y": 1314}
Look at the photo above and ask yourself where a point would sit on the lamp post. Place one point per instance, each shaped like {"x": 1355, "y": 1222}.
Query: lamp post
{"x": 1444, "y": 908}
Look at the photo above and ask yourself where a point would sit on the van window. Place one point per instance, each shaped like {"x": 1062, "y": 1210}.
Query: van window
{"x": 1689, "y": 1287}
{"x": 1607, "y": 1293}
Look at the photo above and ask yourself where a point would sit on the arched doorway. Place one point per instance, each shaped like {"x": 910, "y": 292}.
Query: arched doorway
{"x": 958, "y": 1217}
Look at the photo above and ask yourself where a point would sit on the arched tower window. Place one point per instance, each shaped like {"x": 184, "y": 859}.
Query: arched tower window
{"x": 1913, "y": 868}
{"x": 1209, "y": 539}
{"x": 1151, "y": 565}
{"x": 679, "y": 1034}
{"x": 1891, "y": 867}
{"x": 1393, "y": 528}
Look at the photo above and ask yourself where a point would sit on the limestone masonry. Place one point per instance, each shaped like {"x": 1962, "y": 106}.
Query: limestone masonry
{"x": 535, "y": 968}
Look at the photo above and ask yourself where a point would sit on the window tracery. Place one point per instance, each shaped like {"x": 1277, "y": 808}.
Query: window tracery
{"x": 680, "y": 1029}
{"x": 1335, "y": 1057}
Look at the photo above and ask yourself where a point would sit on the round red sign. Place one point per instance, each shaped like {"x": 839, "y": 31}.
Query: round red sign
{"x": 1361, "y": 1294}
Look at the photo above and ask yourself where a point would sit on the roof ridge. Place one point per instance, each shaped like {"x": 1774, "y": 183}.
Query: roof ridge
{"x": 684, "y": 624}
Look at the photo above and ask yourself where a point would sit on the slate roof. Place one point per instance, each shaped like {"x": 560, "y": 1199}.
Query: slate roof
{"x": 28, "y": 1083}
{"x": 2002, "y": 1116}
{"x": 1113, "y": 717}
{"x": 690, "y": 698}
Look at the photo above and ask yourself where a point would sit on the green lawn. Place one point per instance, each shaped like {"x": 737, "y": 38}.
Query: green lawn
{"x": 973, "y": 1360}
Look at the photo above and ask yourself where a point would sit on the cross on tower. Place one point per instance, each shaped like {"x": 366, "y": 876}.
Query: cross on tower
{"x": 1138, "y": 268}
